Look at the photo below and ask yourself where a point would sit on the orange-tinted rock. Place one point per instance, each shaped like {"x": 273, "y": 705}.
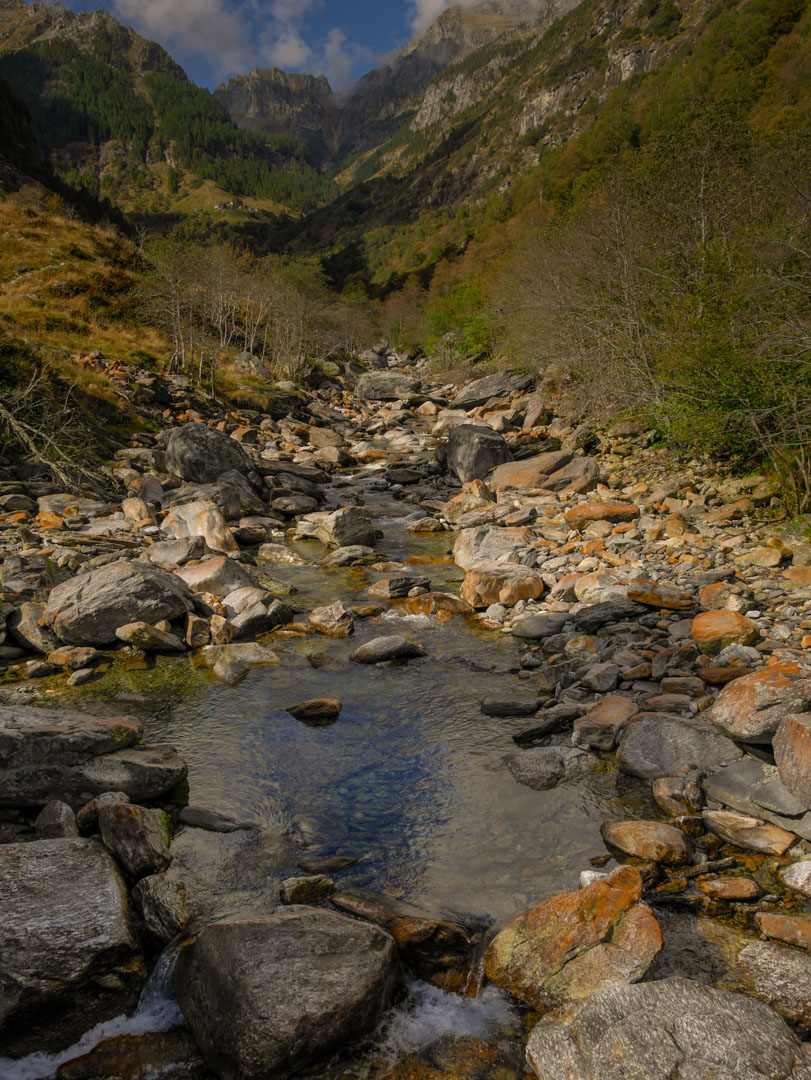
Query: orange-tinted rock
{"x": 792, "y": 752}
{"x": 793, "y": 929}
{"x": 731, "y": 889}
{"x": 748, "y": 832}
{"x": 599, "y": 728}
{"x": 720, "y": 676}
{"x": 580, "y": 516}
{"x": 767, "y": 557}
{"x": 652, "y": 840}
{"x": 714, "y": 630}
{"x": 799, "y": 575}
{"x": 715, "y": 597}
{"x": 47, "y": 519}
{"x": 433, "y": 602}
{"x": 132, "y": 1057}
{"x": 660, "y": 594}
{"x": 437, "y": 950}
{"x": 576, "y": 944}
{"x": 753, "y": 707}
{"x": 503, "y": 583}
{"x": 529, "y": 473}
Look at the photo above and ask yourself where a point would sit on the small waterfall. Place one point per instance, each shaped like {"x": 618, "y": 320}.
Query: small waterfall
{"x": 157, "y": 1011}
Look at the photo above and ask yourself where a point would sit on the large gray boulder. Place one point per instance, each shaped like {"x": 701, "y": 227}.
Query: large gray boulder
{"x": 231, "y": 494}
{"x": 48, "y": 754}
{"x": 89, "y": 608}
{"x": 201, "y": 454}
{"x": 268, "y": 996}
{"x": 386, "y": 386}
{"x": 675, "y": 1029}
{"x": 659, "y": 744}
{"x": 66, "y": 942}
{"x": 473, "y": 450}
{"x": 499, "y": 384}
{"x": 487, "y": 544}
{"x": 350, "y": 526}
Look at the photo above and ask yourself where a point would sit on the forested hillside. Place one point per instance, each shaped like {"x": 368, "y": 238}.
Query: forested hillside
{"x": 119, "y": 118}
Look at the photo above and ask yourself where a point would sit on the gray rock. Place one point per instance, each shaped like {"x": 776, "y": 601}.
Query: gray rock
{"x": 177, "y": 552}
{"x": 143, "y": 773}
{"x": 511, "y": 706}
{"x": 162, "y": 903}
{"x": 379, "y": 650}
{"x": 545, "y": 767}
{"x": 268, "y": 996}
{"x": 755, "y": 788}
{"x": 200, "y": 817}
{"x": 87, "y": 816}
{"x": 780, "y": 976}
{"x": 538, "y": 627}
{"x": 591, "y": 619}
{"x": 798, "y": 876}
{"x": 56, "y": 821}
{"x": 499, "y": 384}
{"x": 29, "y": 630}
{"x": 674, "y": 1029}
{"x": 65, "y": 940}
{"x": 231, "y": 493}
{"x": 138, "y": 838}
{"x": 659, "y": 744}
{"x": 386, "y": 386}
{"x": 473, "y": 450}
{"x": 351, "y": 526}
{"x": 202, "y": 454}
{"x": 90, "y": 607}
{"x": 582, "y": 474}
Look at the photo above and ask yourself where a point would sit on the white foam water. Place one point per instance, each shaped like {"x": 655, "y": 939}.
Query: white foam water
{"x": 157, "y": 1011}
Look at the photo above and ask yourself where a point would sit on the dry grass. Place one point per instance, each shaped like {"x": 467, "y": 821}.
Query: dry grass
{"x": 67, "y": 288}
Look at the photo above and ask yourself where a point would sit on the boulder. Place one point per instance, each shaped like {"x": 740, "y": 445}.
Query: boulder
{"x": 530, "y": 473}
{"x": 90, "y": 607}
{"x": 499, "y": 384}
{"x": 578, "y": 517}
{"x": 268, "y": 996}
{"x": 780, "y": 976}
{"x": 231, "y": 494}
{"x": 599, "y": 727}
{"x": 713, "y": 631}
{"x": 651, "y": 840}
{"x": 753, "y": 707}
{"x": 660, "y": 594}
{"x": 576, "y": 944}
{"x": 659, "y": 744}
{"x": 333, "y": 620}
{"x": 545, "y": 767}
{"x": 201, "y": 518}
{"x": 581, "y": 475}
{"x": 218, "y": 575}
{"x": 201, "y": 454}
{"x": 66, "y": 941}
{"x": 486, "y": 544}
{"x": 673, "y": 1029}
{"x": 316, "y": 709}
{"x": 168, "y": 1054}
{"x": 798, "y": 876}
{"x": 501, "y": 583}
{"x": 56, "y": 821}
{"x": 386, "y": 386}
{"x": 382, "y": 649}
{"x": 793, "y": 929}
{"x": 162, "y": 903}
{"x": 750, "y": 833}
{"x": 138, "y": 838}
{"x": 230, "y": 662}
{"x": 754, "y": 787}
{"x": 350, "y": 526}
{"x": 538, "y": 627}
{"x": 792, "y": 752}
{"x": 177, "y": 552}
{"x": 28, "y": 628}
{"x": 472, "y": 451}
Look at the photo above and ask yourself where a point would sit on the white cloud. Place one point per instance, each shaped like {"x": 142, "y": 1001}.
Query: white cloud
{"x": 424, "y": 12}
{"x": 233, "y": 39}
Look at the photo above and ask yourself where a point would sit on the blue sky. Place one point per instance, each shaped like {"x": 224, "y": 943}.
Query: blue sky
{"x": 214, "y": 39}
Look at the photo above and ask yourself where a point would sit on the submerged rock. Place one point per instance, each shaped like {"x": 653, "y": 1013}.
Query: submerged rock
{"x": 270, "y": 995}
{"x": 382, "y": 649}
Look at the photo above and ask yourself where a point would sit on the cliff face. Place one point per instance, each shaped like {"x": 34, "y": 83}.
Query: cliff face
{"x": 385, "y": 99}
{"x": 275, "y": 103}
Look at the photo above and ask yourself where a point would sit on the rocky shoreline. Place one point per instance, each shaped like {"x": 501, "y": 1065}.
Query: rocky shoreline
{"x": 664, "y": 628}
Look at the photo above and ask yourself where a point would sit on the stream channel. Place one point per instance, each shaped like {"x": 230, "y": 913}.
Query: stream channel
{"x": 410, "y": 780}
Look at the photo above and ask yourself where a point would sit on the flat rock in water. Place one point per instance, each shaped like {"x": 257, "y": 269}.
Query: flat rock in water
{"x": 664, "y": 1030}
{"x": 511, "y": 706}
{"x": 380, "y": 650}
{"x": 200, "y": 817}
{"x": 269, "y": 995}
{"x": 316, "y": 709}
{"x": 65, "y": 925}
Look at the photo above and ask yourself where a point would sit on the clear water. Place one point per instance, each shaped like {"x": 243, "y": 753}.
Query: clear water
{"x": 410, "y": 780}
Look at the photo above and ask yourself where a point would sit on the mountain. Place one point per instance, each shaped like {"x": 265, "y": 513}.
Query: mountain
{"x": 337, "y": 126}
{"x": 273, "y": 102}
{"x": 115, "y": 114}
